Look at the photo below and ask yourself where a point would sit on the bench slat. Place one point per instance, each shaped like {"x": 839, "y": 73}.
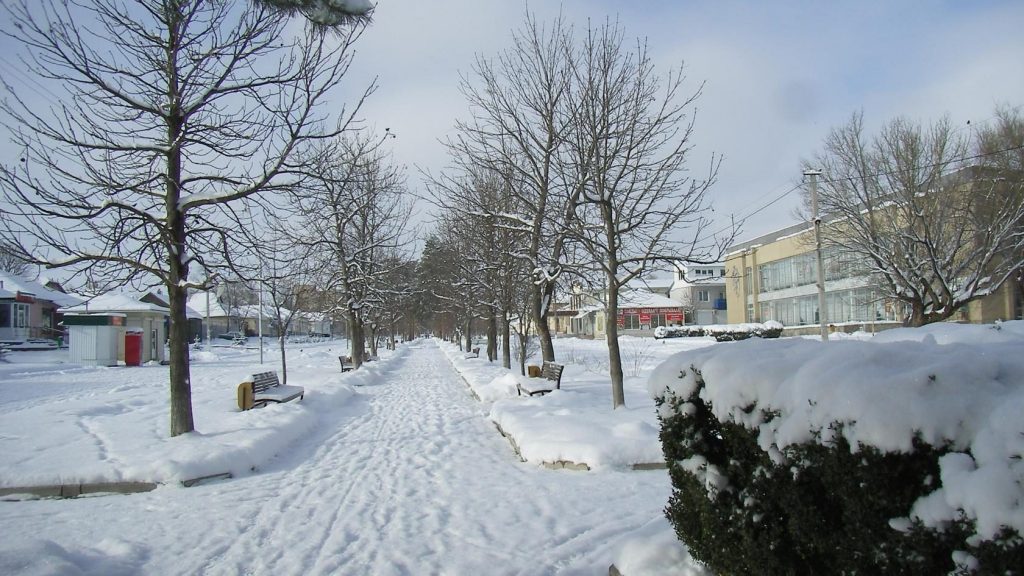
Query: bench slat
{"x": 263, "y": 381}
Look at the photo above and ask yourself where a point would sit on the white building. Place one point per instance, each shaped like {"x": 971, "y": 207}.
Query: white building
{"x": 700, "y": 288}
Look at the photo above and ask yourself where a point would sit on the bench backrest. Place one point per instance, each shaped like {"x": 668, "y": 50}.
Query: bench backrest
{"x": 476, "y": 351}
{"x": 263, "y": 381}
{"x": 553, "y": 372}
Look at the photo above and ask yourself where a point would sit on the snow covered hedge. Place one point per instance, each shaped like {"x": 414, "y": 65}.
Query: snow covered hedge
{"x": 722, "y": 332}
{"x": 902, "y": 454}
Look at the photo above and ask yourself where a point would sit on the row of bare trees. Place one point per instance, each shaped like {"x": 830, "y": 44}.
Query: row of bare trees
{"x": 934, "y": 213}
{"x": 572, "y": 167}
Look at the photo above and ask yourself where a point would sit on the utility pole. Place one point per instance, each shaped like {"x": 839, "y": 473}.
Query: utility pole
{"x": 822, "y": 317}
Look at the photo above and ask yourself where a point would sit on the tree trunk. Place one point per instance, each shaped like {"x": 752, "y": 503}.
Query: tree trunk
{"x": 284, "y": 359}
{"x": 916, "y": 317}
{"x": 356, "y": 344}
{"x": 373, "y": 340}
{"x": 469, "y": 334}
{"x": 506, "y": 342}
{"x": 180, "y": 382}
{"x": 522, "y": 353}
{"x": 177, "y": 269}
{"x": 492, "y": 335}
{"x": 612, "y": 335}
{"x": 540, "y": 305}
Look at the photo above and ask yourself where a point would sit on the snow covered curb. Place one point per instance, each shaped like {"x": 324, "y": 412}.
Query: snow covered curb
{"x": 574, "y": 427}
{"x": 955, "y": 385}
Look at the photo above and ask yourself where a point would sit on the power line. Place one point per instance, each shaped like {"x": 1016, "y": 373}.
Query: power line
{"x": 30, "y": 82}
{"x": 778, "y": 198}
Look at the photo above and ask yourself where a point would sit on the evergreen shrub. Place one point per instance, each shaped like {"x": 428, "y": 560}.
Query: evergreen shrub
{"x": 815, "y": 508}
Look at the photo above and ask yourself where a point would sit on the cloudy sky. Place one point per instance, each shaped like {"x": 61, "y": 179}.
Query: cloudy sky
{"x": 778, "y": 75}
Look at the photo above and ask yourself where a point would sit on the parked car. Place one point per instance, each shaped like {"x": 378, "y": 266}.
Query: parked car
{"x": 234, "y": 335}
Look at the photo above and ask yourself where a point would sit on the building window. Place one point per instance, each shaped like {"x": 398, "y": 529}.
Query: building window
{"x": 703, "y": 296}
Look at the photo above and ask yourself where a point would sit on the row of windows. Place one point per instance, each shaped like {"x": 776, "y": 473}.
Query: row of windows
{"x": 858, "y": 305}
{"x": 802, "y": 270}
{"x": 701, "y": 273}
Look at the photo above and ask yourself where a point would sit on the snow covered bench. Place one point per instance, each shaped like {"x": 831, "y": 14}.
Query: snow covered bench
{"x": 475, "y": 353}
{"x": 346, "y": 363}
{"x": 265, "y": 388}
{"x": 549, "y": 372}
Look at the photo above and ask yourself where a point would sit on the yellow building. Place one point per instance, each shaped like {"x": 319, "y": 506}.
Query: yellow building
{"x": 774, "y": 277}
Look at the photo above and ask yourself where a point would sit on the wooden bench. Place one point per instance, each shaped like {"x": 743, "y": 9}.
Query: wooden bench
{"x": 265, "y": 388}
{"x": 475, "y": 353}
{"x": 346, "y": 363}
{"x": 549, "y": 372}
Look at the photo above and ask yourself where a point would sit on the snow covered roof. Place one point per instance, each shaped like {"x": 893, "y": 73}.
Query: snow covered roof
{"x": 114, "y": 302}
{"x": 12, "y": 284}
{"x": 645, "y": 299}
{"x": 197, "y": 302}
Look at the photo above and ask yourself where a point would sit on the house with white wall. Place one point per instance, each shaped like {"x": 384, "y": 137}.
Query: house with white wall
{"x": 29, "y": 310}
{"x": 700, "y": 288}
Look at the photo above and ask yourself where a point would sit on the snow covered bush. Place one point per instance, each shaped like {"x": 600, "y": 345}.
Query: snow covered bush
{"x": 899, "y": 455}
{"x": 722, "y": 332}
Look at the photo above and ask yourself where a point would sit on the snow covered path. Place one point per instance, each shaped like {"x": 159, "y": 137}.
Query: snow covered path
{"x": 411, "y": 478}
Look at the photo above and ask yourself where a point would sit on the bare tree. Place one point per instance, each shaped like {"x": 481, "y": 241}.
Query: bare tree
{"x": 171, "y": 111}
{"x": 280, "y": 270}
{"x": 1000, "y": 146}
{"x": 355, "y": 214}
{"x": 934, "y": 226}
{"x": 478, "y": 208}
{"x": 439, "y": 280}
{"x": 520, "y": 121}
{"x": 639, "y": 207}
{"x": 398, "y": 290}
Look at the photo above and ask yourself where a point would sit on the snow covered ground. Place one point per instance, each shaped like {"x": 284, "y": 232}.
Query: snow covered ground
{"x": 398, "y": 468}
{"x": 391, "y": 469}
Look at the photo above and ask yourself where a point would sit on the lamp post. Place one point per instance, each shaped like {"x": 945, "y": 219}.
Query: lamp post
{"x": 822, "y": 317}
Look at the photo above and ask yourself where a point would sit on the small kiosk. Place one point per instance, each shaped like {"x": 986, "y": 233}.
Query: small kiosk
{"x": 142, "y": 329}
{"x": 94, "y": 338}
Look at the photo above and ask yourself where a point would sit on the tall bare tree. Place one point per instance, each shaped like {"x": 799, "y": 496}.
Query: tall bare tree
{"x": 479, "y": 208}
{"x": 639, "y": 207}
{"x": 355, "y": 215}
{"x": 922, "y": 213}
{"x": 1000, "y": 145}
{"x": 170, "y": 112}
{"x": 519, "y": 124}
